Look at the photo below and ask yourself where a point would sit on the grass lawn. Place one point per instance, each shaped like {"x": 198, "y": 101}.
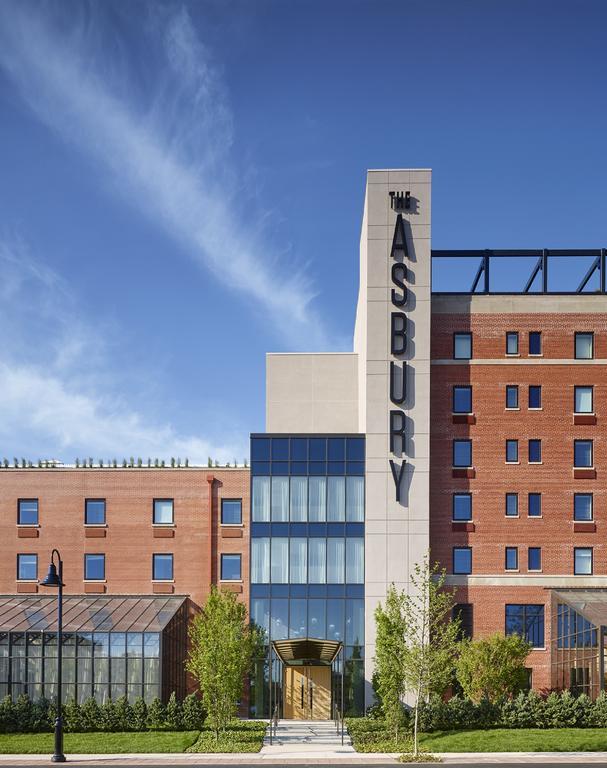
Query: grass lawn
{"x": 241, "y": 736}
{"x": 98, "y": 743}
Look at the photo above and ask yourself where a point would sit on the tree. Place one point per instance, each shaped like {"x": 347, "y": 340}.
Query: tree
{"x": 222, "y": 643}
{"x": 390, "y": 651}
{"x": 493, "y": 667}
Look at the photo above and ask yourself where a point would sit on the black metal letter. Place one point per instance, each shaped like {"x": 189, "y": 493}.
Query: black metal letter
{"x": 399, "y": 241}
{"x": 396, "y": 398}
{"x": 397, "y": 430}
{"x": 398, "y": 476}
{"x": 398, "y": 336}
{"x": 399, "y": 273}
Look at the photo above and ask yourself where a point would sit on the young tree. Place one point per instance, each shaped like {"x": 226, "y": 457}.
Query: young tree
{"x": 493, "y": 667}
{"x": 222, "y": 643}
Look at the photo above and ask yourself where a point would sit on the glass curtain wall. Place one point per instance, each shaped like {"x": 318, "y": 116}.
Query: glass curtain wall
{"x": 576, "y": 653}
{"x": 307, "y": 549}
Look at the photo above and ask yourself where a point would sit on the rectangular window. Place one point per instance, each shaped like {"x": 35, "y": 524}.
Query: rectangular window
{"x": 280, "y": 499}
{"x": 163, "y": 511}
{"x": 317, "y": 499}
{"x": 230, "y": 568}
{"x": 261, "y": 499}
{"x": 355, "y": 499}
{"x": 535, "y": 451}
{"x": 462, "y": 346}
{"x": 279, "y": 562}
{"x": 582, "y": 506}
{"x": 355, "y": 561}
{"x": 260, "y": 561}
{"x": 534, "y": 559}
{"x": 512, "y": 451}
{"x": 336, "y": 499}
{"x": 511, "y": 559}
{"x": 231, "y": 511}
{"x": 27, "y": 512}
{"x": 299, "y": 499}
{"x": 534, "y": 505}
{"x": 462, "y": 453}
{"x": 582, "y": 453}
{"x": 462, "y": 560}
{"x": 535, "y": 396}
{"x": 336, "y": 560}
{"x": 462, "y": 506}
{"x": 512, "y": 343}
{"x": 162, "y": 567}
{"x": 94, "y": 567}
{"x": 535, "y": 343}
{"x": 582, "y": 561}
{"x": 462, "y": 399}
{"x": 94, "y": 512}
{"x": 298, "y": 560}
{"x": 463, "y": 612}
{"x": 512, "y": 505}
{"x": 511, "y": 396}
{"x": 584, "y": 346}
{"x": 27, "y": 567}
{"x": 317, "y": 561}
{"x": 527, "y": 621}
{"x": 583, "y": 400}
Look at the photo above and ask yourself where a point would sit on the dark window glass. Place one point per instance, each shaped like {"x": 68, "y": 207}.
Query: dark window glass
{"x": 583, "y": 400}
{"x": 260, "y": 449}
{"x": 511, "y": 396}
{"x": 318, "y": 449}
{"x": 463, "y": 612}
{"x": 527, "y": 621}
{"x": 512, "y": 343}
{"x": 280, "y": 467}
{"x": 534, "y": 508}
{"x": 355, "y": 449}
{"x": 535, "y": 343}
{"x": 462, "y": 560}
{"x": 27, "y": 513}
{"x": 511, "y": 450}
{"x": 462, "y": 453}
{"x": 94, "y": 511}
{"x": 582, "y": 506}
{"x": 582, "y": 453}
{"x": 231, "y": 511}
{"x": 337, "y": 449}
{"x": 535, "y": 396}
{"x": 534, "y": 559}
{"x": 280, "y": 449}
{"x": 462, "y": 506}
{"x": 584, "y": 346}
{"x": 230, "y": 567}
{"x": 462, "y": 399}
{"x": 299, "y": 449}
{"x": 511, "y": 558}
{"x": 535, "y": 451}
{"x": 27, "y": 567}
{"x": 162, "y": 567}
{"x": 582, "y": 561}
{"x": 94, "y": 566}
{"x": 163, "y": 511}
{"x": 512, "y": 504}
{"x": 462, "y": 346}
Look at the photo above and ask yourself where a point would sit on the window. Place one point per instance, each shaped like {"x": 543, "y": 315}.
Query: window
{"x": 462, "y": 560}
{"x": 527, "y": 621}
{"x": 230, "y": 568}
{"x": 582, "y": 453}
{"x": 94, "y": 512}
{"x": 512, "y": 343}
{"x": 462, "y": 506}
{"x": 584, "y": 346}
{"x": 535, "y": 343}
{"x": 260, "y": 560}
{"x": 27, "y": 512}
{"x": 511, "y": 559}
{"x": 462, "y": 399}
{"x": 462, "y": 453}
{"x": 511, "y": 396}
{"x": 582, "y": 561}
{"x": 512, "y": 505}
{"x": 27, "y": 567}
{"x": 583, "y": 400}
{"x": 534, "y": 505}
{"x": 582, "y": 506}
{"x": 163, "y": 511}
{"x": 534, "y": 559}
{"x": 462, "y": 346}
{"x": 261, "y": 498}
{"x": 231, "y": 511}
{"x": 512, "y": 451}
{"x": 535, "y": 451}
{"x": 162, "y": 567}
{"x": 463, "y": 612}
{"x": 94, "y": 567}
{"x": 535, "y": 396}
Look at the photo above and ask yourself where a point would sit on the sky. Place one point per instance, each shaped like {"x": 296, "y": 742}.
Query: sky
{"x": 181, "y": 189}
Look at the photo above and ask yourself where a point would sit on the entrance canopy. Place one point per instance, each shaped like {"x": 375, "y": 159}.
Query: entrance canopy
{"x": 296, "y": 650}
{"x": 591, "y": 603}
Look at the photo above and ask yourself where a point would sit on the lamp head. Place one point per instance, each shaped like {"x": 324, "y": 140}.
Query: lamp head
{"x": 52, "y": 578}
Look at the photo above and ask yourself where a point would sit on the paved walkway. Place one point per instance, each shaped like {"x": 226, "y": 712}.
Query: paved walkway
{"x": 307, "y": 739}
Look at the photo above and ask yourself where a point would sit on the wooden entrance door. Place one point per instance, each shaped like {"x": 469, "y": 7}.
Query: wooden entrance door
{"x": 307, "y": 693}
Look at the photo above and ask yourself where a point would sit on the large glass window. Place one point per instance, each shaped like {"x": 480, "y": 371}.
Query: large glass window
{"x": 298, "y": 619}
{"x": 27, "y": 567}
{"x": 336, "y": 556}
{"x": 582, "y": 453}
{"x": 462, "y": 453}
{"x": 582, "y": 561}
{"x": 94, "y": 567}
{"x": 231, "y": 511}
{"x": 279, "y": 563}
{"x": 27, "y": 512}
{"x": 511, "y": 396}
{"x": 163, "y": 511}
{"x": 336, "y": 499}
{"x": 582, "y": 506}
{"x": 298, "y": 560}
{"x": 355, "y": 561}
{"x": 317, "y": 554}
{"x": 462, "y": 506}
{"x": 462, "y": 399}
{"x": 94, "y": 511}
{"x": 462, "y": 346}
{"x": 162, "y": 567}
{"x": 583, "y": 400}
{"x": 527, "y": 621}
{"x": 355, "y": 499}
{"x": 261, "y": 499}
{"x": 260, "y": 560}
{"x": 280, "y": 499}
{"x": 299, "y": 499}
{"x": 230, "y": 567}
{"x": 317, "y": 499}
{"x": 584, "y": 346}
{"x": 462, "y": 560}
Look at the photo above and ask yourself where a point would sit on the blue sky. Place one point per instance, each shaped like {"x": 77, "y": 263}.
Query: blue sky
{"x": 181, "y": 189}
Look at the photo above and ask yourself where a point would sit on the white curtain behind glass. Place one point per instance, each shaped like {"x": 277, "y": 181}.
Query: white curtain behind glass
{"x": 298, "y": 561}
{"x": 280, "y": 499}
{"x": 336, "y": 499}
{"x": 335, "y": 561}
{"x": 299, "y": 499}
{"x": 280, "y": 561}
{"x": 317, "y": 495}
{"x": 260, "y": 561}
{"x": 355, "y": 499}
{"x": 261, "y": 499}
{"x": 583, "y": 399}
{"x": 355, "y": 561}
{"x": 317, "y": 555}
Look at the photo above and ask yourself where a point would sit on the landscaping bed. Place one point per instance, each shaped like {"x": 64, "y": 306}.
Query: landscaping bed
{"x": 98, "y": 743}
{"x": 240, "y": 736}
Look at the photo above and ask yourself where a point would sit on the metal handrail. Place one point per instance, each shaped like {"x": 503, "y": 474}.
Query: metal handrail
{"x": 339, "y": 721}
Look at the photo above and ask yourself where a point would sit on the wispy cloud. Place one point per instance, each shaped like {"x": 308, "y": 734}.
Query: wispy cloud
{"x": 164, "y": 140}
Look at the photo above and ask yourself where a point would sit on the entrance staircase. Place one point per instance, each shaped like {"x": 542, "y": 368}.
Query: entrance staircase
{"x": 306, "y": 739}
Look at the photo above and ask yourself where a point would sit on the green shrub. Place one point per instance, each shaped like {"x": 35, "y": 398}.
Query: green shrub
{"x": 123, "y": 715}
{"x": 40, "y": 722}
{"x": 23, "y": 713}
{"x": 108, "y": 720}
{"x": 174, "y": 714}
{"x": 91, "y": 716}
{"x": 72, "y": 717}
{"x": 7, "y": 715}
{"x": 156, "y": 715}
{"x": 598, "y": 713}
{"x": 193, "y": 713}
{"x": 140, "y": 715}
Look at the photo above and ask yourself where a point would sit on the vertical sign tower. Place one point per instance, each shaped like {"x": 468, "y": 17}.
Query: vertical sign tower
{"x": 392, "y": 339}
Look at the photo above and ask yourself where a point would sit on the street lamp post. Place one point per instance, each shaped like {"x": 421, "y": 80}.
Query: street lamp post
{"x": 54, "y": 579}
